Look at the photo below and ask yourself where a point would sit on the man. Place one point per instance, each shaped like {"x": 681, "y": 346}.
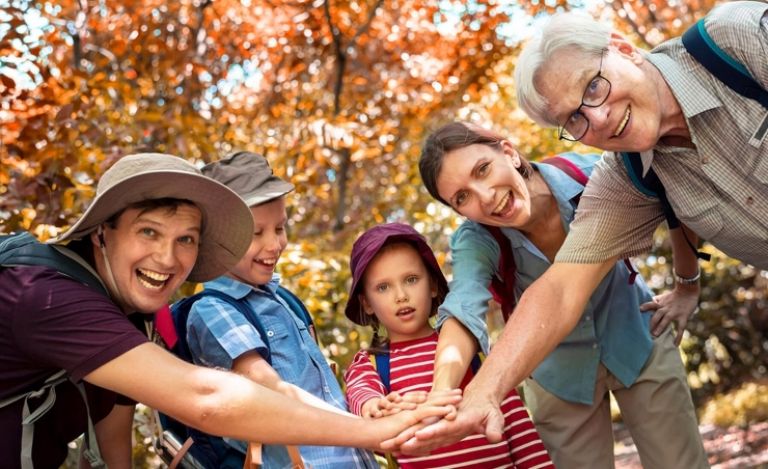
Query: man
{"x": 703, "y": 140}
{"x": 155, "y": 221}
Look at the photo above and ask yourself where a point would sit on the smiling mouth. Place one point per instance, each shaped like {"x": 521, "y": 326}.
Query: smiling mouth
{"x": 269, "y": 263}
{"x": 151, "y": 279}
{"x": 503, "y": 205}
{"x": 623, "y": 124}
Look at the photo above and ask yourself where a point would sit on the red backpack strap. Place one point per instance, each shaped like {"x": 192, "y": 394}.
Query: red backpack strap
{"x": 568, "y": 168}
{"x": 503, "y": 288}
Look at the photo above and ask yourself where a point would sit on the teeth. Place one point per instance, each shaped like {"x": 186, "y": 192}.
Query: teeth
{"x": 267, "y": 262}
{"x": 502, "y": 204}
{"x": 154, "y": 275}
{"x": 149, "y": 285}
{"x": 623, "y": 123}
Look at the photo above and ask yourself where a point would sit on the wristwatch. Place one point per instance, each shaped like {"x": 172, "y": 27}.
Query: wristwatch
{"x": 688, "y": 280}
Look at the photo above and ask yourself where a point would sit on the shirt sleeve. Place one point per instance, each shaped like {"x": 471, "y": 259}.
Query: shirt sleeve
{"x": 613, "y": 217}
{"x": 475, "y": 259}
{"x": 61, "y": 323}
{"x": 363, "y": 382}
{"x": 217, "y": 334}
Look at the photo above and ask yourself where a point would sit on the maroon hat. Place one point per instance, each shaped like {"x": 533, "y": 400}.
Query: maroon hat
{"x": 369, "y": 244}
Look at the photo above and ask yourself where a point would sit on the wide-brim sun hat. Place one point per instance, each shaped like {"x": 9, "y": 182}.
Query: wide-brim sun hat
{"x": 227, "y": 223}
{"x": 368, "y": 245}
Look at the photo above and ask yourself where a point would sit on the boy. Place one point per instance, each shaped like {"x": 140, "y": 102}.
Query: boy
{"x": 220, "y": 336}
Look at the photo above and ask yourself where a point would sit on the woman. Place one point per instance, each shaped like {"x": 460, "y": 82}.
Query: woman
{"x": 482, "y": 177}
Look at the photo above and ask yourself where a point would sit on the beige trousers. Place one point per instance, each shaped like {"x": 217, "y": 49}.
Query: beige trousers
{"x": 657, "y": 409}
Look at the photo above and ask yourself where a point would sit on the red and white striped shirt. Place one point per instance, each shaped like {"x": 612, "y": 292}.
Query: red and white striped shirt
{"x": 411, "y": 366}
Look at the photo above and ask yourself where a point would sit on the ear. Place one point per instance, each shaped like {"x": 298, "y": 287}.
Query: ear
{"x": 97, "y": 237}
{"x": 626, "y": 49}
{"x": 508, "y": 149}
{"x": 366, "y": 307}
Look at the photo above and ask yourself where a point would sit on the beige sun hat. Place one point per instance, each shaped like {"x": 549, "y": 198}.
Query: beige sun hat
{"x": 227, "y": 222}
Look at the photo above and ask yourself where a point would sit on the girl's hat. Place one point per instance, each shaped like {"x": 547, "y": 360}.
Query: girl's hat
{"x": 369, "y": 244}
{"x": 227, "y": 223}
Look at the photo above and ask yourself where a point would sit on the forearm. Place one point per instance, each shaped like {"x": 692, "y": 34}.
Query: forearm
{"x": 547, "y": 312}
{"x": 455, "y": 349}
{"x": 685, "y": 262}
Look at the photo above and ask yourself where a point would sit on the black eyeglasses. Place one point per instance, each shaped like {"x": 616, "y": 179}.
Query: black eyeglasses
{"x": 597, "y": 91}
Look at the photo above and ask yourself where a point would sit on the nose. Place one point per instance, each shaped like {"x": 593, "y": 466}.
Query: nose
{"x": 273, "y": 242}
{"x": 485, "y": 194}
{"x": 165, "y": 255}
{"x": 400, "y": 294}
{"x": 597, "y": 116}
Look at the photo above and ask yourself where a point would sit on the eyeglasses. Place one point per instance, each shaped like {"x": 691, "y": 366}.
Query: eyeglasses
{"x": 597, "y": 91}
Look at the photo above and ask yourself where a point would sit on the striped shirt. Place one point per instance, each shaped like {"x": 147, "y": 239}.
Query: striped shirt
{"x": 411, "y": 369}
{"x": 719, "y": 188}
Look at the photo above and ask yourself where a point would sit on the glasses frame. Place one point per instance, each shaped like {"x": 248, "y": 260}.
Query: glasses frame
{"x": 562, "y": 133}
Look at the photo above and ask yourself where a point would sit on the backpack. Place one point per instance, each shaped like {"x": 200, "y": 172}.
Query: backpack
{"x": 380, "y": 361}
{"x": 23, "y": 249}
{"x": 201, "y": 451}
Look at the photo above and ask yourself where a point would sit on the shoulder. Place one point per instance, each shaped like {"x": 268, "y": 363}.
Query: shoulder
{"x": 470, "y": 233}
{"x": 584, "y": 161}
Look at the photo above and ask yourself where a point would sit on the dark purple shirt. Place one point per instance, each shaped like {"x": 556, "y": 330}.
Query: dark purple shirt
{"x": 49, "y": 322}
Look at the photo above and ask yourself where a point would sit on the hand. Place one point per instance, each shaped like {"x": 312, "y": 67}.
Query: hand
{"x": 675, "y": 306}
{"x": 478, "y": 413}
{"x": 392, "y": 403}
{"x": 403, "y": 425}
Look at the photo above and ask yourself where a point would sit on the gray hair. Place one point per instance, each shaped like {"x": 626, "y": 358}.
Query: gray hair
{"x": 571, "y": 30}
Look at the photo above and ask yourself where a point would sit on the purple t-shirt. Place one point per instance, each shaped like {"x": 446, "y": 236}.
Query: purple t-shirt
{"x": 49, "y": 322}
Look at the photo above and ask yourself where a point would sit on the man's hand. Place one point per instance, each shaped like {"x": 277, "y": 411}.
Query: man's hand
{"x": 477, "y": 414}
{"x": 676, "y": 306}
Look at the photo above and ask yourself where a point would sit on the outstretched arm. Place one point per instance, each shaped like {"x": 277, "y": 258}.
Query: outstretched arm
{"x": 226, "y": 404}
{"x": 456, "y": 347}
{"x": 548, "y": 310}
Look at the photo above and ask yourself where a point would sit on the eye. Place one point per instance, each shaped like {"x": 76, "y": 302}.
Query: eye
{"x": 189, "y": 239}
{"x": 279, "y": 229}
{"x": 483, "y": 169}
{"x": 258, "y": 233}
{"x": 382, "y": 287}
{"x": 412, "y": 279}
{"x": 150, "y": 232}
{"x": 460, "y": 198}
{"x": 574, "y": 119}
{"x": 594, "y": 90}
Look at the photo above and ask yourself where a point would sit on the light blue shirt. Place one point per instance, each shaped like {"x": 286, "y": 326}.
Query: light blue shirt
{"x": 217, "y": 334}
{"x": 612, "y": 330}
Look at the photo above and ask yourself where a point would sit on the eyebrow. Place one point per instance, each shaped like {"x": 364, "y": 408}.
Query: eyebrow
{"x": 142, "y": 220}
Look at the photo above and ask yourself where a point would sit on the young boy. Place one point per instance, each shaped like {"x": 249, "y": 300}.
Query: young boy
{"x": 220, "y": 336}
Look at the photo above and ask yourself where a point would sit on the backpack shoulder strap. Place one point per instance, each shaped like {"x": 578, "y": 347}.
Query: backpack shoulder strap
{"x": 180, "y": 313}
{"x": 502, "y": 286}
{"x": 568, "y": 167}
{"x": 24, "y": 249}
{"x": 722, "y": 66}
{"x": 380, "y": 362}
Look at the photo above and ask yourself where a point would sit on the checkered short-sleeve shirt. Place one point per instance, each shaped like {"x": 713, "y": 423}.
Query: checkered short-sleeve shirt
{"x": 719, "y": 188}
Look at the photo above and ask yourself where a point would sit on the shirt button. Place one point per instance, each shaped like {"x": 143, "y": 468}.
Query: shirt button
{"x": 594, "y": 346}
{"x": 750, "y": 200}
{"x": 588, "y": 318}
{"x": 270, "y": 333}
{"x": 327, "y": 389}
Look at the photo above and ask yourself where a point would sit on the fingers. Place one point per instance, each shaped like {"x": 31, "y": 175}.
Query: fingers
{"x": 650, "y": 306}
{"x": 659, "y": 322}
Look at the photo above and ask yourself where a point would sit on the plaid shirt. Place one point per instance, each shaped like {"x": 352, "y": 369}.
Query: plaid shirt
{"x": 217, "y": 334}
{"x": 720, "y": 188}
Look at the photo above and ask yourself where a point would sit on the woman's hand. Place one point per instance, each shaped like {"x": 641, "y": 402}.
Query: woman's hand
{"x": 392, "y": 403}
{"x": 676, "y": 306}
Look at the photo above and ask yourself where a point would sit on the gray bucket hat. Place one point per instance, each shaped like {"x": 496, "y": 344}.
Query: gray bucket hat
{"x": 249, "y": 175}
{"x": 227, "y": 222}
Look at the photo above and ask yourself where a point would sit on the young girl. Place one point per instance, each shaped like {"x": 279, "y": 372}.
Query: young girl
{"x": 397, "y": 285}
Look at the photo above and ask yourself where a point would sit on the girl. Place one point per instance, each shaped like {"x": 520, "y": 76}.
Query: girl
{"x": 482, "y": 177}
{"x": 397, "y": 285}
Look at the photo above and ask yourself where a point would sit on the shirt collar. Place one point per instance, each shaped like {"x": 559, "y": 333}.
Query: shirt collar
{"x": 237, "y": 289}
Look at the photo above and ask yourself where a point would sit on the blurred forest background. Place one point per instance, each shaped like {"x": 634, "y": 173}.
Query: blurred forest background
{"x": 338, "y": 95}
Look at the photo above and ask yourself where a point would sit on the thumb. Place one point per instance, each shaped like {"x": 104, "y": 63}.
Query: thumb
{"x": 494, "y": 426}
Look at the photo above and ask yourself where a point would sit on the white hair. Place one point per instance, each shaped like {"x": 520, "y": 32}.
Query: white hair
{"x": 571, "y": 30}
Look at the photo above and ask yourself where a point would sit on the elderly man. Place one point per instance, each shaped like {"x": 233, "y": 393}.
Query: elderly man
{"x": 703, "y": 140}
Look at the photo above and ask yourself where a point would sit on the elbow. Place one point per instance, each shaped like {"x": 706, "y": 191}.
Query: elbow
{"x": 208, "y": 403}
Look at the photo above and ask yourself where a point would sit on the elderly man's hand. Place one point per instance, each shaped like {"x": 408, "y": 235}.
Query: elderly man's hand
{"x": 477, "y": 413}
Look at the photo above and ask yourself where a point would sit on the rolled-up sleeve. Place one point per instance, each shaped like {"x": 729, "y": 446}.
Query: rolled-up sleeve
{"x": 475, "y": 258}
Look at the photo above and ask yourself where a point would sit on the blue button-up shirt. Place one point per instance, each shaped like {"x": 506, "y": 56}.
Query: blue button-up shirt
{"x": 217, "y": 334}
{"x": 612, "y": 330}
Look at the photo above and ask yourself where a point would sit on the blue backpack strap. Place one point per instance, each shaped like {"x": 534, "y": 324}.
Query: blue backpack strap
{"x": 180, "y": 313}
{"x": 296, "y": 305}
{"x": 733, "y": 74}
{"x": 477, "y": 360}
{"x": 24, "y": 249}
{"x": 381, "y": 363}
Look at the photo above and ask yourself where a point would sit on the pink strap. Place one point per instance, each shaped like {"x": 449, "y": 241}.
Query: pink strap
{"x": 164, "y": 326}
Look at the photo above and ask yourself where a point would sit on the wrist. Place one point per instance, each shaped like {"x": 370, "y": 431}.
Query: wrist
{"x": 687, "y": 281}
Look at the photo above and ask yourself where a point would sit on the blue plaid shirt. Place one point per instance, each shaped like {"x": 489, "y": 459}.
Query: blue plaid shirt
{"x": 217, "y": 334}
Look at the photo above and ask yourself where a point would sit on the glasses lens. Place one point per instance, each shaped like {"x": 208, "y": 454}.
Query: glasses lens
{"x": 575, "y": 128}
{"x": 597, "y": 92}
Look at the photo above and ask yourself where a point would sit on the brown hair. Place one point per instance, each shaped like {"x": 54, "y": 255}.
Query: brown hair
{"x": 455, "y": 136}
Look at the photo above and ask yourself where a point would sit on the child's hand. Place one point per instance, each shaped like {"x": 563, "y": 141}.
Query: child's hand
{"x": 392, "y": 403}
{"x": 675, "y": 306}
